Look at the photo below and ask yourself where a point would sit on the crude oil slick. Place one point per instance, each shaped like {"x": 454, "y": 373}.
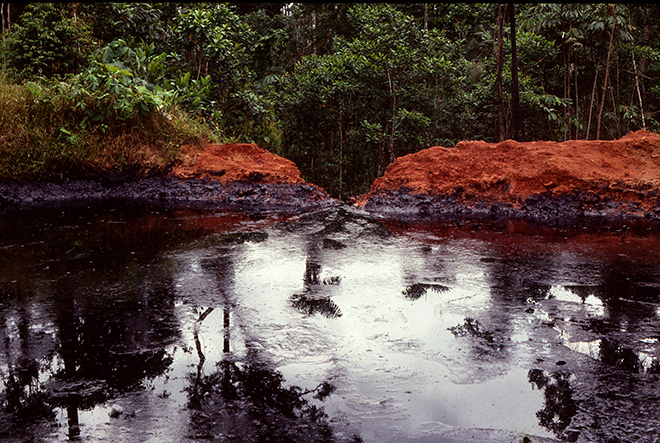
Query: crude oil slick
{"x": 134, "y": 323}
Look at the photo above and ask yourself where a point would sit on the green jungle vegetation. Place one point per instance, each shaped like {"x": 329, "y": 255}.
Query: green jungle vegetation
{"x": 342, "y": 89}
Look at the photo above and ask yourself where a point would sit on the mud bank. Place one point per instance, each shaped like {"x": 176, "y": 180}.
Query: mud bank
{"x": 548, "y": 182}
{"x": 545, "y": 181}
{"x": 237, "y": 176}
{"x": 542, "y": 208}
{"x": 170, "y": 191}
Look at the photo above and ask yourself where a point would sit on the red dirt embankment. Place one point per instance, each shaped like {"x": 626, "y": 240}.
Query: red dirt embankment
{"x": 238, "y": 162}
{"x": 508, "y": 172}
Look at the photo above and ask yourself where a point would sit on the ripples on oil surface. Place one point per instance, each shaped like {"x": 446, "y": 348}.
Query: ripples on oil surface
{"x": 142, "y": 324}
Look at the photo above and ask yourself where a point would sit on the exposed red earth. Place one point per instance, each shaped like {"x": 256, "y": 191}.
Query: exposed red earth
{"x": 509, "y": 172}
{"x": 238, "y": 162}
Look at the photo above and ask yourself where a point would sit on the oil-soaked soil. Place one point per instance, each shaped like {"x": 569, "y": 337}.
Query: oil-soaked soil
{"x": 540, "y": 180}
{"x": 237, "y": 176}
{"x": 547, "y": 182}
{"x": 131, "y": 323}
{"x": 172, "y": 191}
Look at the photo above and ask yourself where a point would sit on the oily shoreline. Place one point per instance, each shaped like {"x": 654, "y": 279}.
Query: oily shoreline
{"x": 545, "y": 208}
{"x": 404, "y": 204}
{"x": 167, "y": 190}
{"x": 549, "y": 183}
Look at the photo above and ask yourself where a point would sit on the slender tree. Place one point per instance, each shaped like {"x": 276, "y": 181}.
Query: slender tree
{"x": 634, "y": 60}
{"x": 607, "y": 73}
{"x": 426, "y": 17}
{"x": 5, "y": 9}
{"x": 593, "y": 98}
{"x": 515, "y": 97}
{"x": 501, "y": 130}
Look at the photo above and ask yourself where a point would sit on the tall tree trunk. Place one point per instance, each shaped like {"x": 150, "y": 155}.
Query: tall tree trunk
{"x": 639, "y": 94}
{"x": 567, "y": 79}
{"x": 426, "y": 16}
{"x": 577, "y": 101}
{"x": 501, "y": 129}
{"x": 616, "y": 117}
{"x": 314, "y": 32}
{"x": 607, "y": 73}
{"x": 2, "y": 34}
{"x": 515, "y": 99}
{"x": 341, "y": 156}
{"x": 593, "y": 99}
{"x": 392, "y": 88}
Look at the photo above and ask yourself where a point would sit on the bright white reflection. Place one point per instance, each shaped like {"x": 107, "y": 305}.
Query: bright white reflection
{"x": 392, "y": 357}
{"x": 592, "y": 303}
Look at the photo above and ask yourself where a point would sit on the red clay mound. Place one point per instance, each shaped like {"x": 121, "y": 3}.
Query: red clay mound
{"x": 239, "y": 162}
{"x": 509, "y": 172}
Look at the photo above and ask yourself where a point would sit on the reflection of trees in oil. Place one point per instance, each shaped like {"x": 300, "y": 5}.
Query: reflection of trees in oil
{"x": 417, "y": 290}
{"x": 516, "y": 278}
{"x": 309, "y": 305}
{"x": 626, "y": 293}
{"x": 94, "y": 319}
{"x": 484, "y": 342}
{"x": 101, "y": 345}
{"x": 251, "y": 401}
{"x": 514, "y": 281}
{"x": 23, "y": 397}
{"x": 80, "y": 322}
{"x": 338, "y": 226}
{"x": 616, "y": 403}
{"x": 421, "y": 275}
{"x": 559, "y": 407}
{"x": 614, "y": 354}
{"x": 117, "y": 338}
{"x": 23, "y": 394}
{"x": 630, "y": 298}
{"x": 108, "y": 351}
{"x": 245, "y": 399}
{"x": 472, "y": 328}
{"x": 314, "y": 299}
{"x": 195, "y": 390}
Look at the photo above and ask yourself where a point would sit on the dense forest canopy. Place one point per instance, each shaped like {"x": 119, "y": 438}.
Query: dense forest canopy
{"x": 342, "y": 89}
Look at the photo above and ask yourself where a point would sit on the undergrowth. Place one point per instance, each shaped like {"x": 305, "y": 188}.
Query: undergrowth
{"x": 45, "y": 135}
